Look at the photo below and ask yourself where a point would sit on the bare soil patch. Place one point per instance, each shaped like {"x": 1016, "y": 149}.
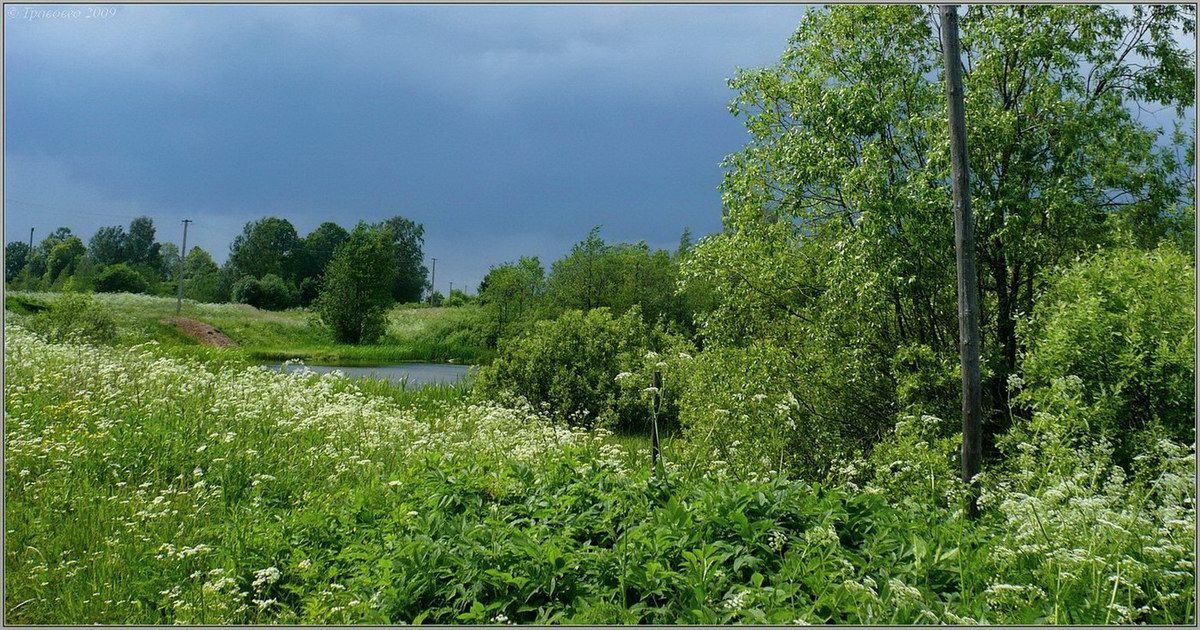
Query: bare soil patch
{"x": 202, "y": 332}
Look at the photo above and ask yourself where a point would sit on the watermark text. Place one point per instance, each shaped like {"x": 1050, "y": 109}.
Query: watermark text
{"x": 30, "y": 14}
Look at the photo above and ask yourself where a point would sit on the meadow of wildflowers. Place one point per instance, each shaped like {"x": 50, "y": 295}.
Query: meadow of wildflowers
{"x": 146, "y": 488}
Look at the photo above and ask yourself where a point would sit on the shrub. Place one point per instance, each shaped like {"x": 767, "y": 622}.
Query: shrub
{"x": 1123, "y": 323}
{"x": 356, "y": 289}
{"x": 588, "y": 368}
{"x": 269, "y": 293}
{"x": 743, "y": 407}
{"x": 926, "y": 382}
{"x": 389, "y": 494}
{"x": 310, "y": 288}
{"x": 75, "y": 317}
{"x": 120, "y": 278}
{"x": 205, "y": 288}
{"x": 458, "y": 298}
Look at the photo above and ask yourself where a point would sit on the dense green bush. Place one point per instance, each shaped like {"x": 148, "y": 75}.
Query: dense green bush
{"x": 589, "y": 368}
{"x": 1123, "y": 322}
{"x": 356, "y": 289}
{"x": 310, "y": 288}
{"x": 743, "y": 407}
{"x": 75, "y": 317}
{"x": 120, "y": 278}
{"x": 458, "y": 298}
{"x": 269, "y": 293}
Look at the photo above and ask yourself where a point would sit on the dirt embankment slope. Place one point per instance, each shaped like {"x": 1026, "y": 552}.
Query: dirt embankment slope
{"x": 202, "y": 332}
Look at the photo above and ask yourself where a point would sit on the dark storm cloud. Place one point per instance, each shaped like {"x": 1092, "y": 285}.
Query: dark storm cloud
{"x": 505, "y": 130}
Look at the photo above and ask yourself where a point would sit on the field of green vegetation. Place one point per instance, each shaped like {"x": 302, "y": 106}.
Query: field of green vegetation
{"x": 144, "y": 488}
{"x": 412, "y": 334}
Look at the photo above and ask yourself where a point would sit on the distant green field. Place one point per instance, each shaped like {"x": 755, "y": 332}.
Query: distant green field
{"x": 413, "y": 334}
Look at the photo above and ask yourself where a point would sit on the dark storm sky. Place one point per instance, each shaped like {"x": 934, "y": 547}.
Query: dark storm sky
{"x": 505, "y": 130}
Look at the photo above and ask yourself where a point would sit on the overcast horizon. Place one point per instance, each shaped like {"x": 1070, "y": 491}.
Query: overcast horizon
{"x": 504, "y": 130}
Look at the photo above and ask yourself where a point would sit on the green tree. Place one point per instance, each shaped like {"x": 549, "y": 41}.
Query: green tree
{"x": 269, "y": 293}
{"x": 83, "y": 276}
{"x": 356, "y": 289}
{"x": 1123, "y": 323}
{"x": 107, "y": 246}
{"x": 458, "y": 297}
{"x": 685, "y": 243}
{"x": 141, "y": 250}
{"x": 54, "y": 238}
{"x": 617, "y": 276}
{"x": 582, "y": 279}
{"x": 318, "y": 248}
{"x": 267, "y": 246}
{"x": 16, "y": 257}
{"x": 838, "y": 239}
{"x": 202, "y": 277}
{"x": 408, "y": 239}
{"x": 510, "y": 293}
{"x": 168, "y": 268}
{"x": 30, "y": 278}
{"x": 63, "y": 258}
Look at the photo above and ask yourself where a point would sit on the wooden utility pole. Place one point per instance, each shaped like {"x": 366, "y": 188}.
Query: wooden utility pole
{"x": 182, "y": 266}
{"x": 964, "y": 247}
{"x": 432, "y": 281}
{"x": 29, "y": 261}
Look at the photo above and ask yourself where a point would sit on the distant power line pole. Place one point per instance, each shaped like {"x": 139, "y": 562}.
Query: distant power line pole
{"x": 432, "y": 281}
{"x": 964, "y": 245}
{"x": 29, "y": 260}
{"x": 182, "y": 258}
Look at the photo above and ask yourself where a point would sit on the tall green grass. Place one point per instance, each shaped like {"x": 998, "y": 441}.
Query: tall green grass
{"x": 430, "y": 335}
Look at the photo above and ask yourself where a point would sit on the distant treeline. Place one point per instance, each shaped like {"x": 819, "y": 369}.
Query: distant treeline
{"x": 270, "y": 265}
{"x": 595, "y": 274}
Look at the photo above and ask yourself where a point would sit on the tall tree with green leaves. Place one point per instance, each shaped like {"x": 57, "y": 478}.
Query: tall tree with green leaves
{"x": 318, "y": 248}
{"x": 63, "y": 259}
{"x": 266, "y": 246}
{"x": 16, "y": 256}
{"x": 356, "y": 289}
{"x": 408, "y": 240}
{"x": 202, "y": 276}
{"x": 582, "y": 278}
{"x": 838, "y": 240}
{"x": 140, "y": 247}
{"x": 168, "y": 266}
{"x": 107, "y": 245}
{"x": 510, "y": 293}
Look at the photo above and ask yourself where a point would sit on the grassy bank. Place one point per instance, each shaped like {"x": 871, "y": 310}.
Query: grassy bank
{"x": 425, "y": 334}
{"x": 144, "y": 489}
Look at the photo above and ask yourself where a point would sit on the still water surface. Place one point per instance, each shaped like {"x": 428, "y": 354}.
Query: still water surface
{"x": 415, "y": 373}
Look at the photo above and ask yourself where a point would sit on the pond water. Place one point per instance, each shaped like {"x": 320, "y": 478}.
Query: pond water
{"x": 416, "y": 374}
